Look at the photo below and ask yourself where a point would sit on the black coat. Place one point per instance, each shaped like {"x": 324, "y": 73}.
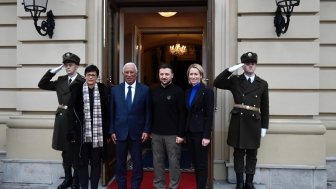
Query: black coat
{"x": 62, "y": 89}
{"x": 76, "y": 113}
{"x": 245, "y": 125}
{"x": 200, "y": 114}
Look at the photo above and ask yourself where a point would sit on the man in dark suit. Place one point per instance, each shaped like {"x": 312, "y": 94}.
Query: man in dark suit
{"x": 130, "y": 117}
{"x": 249, "y": 116}
{"x": 61, "y": 86}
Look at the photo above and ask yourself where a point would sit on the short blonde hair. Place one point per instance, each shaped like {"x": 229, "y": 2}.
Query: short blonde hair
{"x": 200, "y": 70}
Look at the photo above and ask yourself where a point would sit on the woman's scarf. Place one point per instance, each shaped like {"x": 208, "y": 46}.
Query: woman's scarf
{"x": 92, "y": 132}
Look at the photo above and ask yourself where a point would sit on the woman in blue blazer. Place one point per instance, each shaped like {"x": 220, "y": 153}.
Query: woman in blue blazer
{"x": 200, "y": 108}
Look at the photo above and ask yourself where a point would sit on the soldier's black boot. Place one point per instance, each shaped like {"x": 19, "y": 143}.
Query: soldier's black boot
{"x": 75, "y": 180}
{"x": 68, "y": 178}
{"x": 249, "y": 182}
{"x": 240, "y": 180}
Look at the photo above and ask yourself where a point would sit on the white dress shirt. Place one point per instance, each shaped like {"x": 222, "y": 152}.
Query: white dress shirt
{"x": 251, "y": 77}
{"x": 72, "y": 78}
{"x": 132, "y": 89}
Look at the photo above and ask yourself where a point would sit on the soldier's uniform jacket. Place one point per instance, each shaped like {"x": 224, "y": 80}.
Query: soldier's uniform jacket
{"x": 245, "y": 125}
{"x": 62, "y": 89}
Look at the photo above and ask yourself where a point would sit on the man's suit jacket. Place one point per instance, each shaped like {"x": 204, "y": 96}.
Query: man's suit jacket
{"x": 200, "y": 114}
{"x": 132, "y": 122}
{"x": 245, "y": 125}
{"x": 61, "y": 86}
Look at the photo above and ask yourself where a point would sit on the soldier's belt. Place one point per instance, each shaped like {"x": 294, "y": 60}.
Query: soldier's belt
{"x": 247, "y": 107}
{"x": 64, "y": 107}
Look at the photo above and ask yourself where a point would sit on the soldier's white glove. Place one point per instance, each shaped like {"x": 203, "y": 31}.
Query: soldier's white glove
{"x": 235, "y": 67}
{"x": 57, "y": 69}
{"x": 263, "y": 132}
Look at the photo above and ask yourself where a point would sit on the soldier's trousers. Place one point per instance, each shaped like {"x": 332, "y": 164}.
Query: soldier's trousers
{"x": 239, "y": 160}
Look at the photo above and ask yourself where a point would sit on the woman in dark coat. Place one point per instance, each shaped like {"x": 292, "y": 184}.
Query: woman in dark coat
{"x": 88, "y": 126}
{"x": 200, "y": 108}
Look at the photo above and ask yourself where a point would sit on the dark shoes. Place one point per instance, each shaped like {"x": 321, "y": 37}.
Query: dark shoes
{"x": 249, "y": 182}
{"x": 75, "y": 187}
{"x": 75, "y": 183}
{"x": 246, "y": 186}
{"x": 75, "y": 180}
{"x": 249, "y": 186}
{"x": 65, "y": 184}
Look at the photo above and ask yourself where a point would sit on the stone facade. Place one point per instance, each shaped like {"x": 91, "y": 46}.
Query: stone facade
{"x": 299, "y": 149}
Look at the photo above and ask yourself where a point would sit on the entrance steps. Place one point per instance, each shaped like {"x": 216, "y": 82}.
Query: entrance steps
{"x": 226, "y": 185}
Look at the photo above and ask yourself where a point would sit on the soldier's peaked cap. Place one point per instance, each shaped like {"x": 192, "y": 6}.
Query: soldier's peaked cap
{"x": 70, "y": 58}
{"x": 249, "y": 57}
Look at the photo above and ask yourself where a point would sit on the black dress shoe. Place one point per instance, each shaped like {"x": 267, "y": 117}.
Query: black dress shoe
{"x": 74, "y": 186}
{"x": 65, "y": 184}
{"x": 249, "y": 185}
{"x": 75, "y": 183}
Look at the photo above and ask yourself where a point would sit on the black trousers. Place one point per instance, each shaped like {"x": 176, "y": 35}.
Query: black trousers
{"x": 239, "y": 160}
{"x": 199, "y": 157}
{"x": 92, "y": 157}
{"x": 67, "y": 157}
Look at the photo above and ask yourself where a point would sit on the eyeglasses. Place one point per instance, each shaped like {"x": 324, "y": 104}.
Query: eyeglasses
{"x": 91, "y": 75}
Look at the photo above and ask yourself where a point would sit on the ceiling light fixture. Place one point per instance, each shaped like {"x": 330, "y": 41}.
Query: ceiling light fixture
{"x": 167, "y": 14}
{"x": 177, "y": 49}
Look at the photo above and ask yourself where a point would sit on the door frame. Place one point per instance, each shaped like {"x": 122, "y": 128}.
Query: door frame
{"x": 114, "y": 57}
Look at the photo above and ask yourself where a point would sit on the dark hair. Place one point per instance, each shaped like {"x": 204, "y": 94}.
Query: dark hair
{"x": 91, "y": 68}
{"x": 164, "y": 66}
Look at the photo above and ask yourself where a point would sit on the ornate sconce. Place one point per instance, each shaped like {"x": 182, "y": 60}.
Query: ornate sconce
{"x": 283, "y": 6}
{"x": 36, "y": 7}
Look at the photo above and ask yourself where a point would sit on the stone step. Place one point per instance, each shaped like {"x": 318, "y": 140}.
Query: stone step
{"x": 217, "y": 185}
{"x": 226, "y": 185}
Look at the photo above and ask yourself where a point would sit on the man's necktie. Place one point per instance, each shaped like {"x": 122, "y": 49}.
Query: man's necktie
{"x": 70, "y": 80}
{"x": 129, "y": 98}
{"x": 249, "y": 80}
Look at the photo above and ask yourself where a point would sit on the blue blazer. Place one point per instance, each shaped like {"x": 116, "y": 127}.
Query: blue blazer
{"x": 132, "y": 122}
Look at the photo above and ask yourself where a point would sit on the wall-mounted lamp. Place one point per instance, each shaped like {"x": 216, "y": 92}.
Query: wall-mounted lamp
{"x": 283, "y": 6}
{"x": 36, "y": 7}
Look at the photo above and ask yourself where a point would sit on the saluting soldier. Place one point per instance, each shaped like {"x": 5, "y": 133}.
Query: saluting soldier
{"x": 61, "y": 86}
{"x": 249, "y": 116}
